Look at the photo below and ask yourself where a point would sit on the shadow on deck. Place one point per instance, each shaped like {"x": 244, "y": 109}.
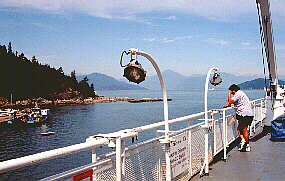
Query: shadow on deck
{"x": 265, "y": 162}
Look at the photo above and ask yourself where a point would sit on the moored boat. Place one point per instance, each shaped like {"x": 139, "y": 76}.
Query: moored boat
{"x": 8, "y": 115}
{"x": 35, "y": 115}
{"x": 47, "y": 133}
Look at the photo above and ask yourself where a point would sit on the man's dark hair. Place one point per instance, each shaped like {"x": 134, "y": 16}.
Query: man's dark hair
{"x": 234, "y": 87}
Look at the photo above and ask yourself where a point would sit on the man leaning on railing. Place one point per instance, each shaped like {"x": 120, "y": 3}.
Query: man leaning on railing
{"x": 244, "y": 114}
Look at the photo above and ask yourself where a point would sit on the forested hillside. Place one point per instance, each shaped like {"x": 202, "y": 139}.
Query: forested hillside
{"x": 257, "y": 84}
{"x": 26, "y": 78}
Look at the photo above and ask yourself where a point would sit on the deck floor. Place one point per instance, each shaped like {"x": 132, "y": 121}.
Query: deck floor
{"x": 265, "y": 162}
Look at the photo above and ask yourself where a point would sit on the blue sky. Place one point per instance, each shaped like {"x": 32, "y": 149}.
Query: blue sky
{"x": 186, "y": 36}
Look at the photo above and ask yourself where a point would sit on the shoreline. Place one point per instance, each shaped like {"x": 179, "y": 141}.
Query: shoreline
{"x": 44, "y": 103}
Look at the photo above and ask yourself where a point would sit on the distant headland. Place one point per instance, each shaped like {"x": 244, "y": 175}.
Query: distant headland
{"x": 27, "y": 82}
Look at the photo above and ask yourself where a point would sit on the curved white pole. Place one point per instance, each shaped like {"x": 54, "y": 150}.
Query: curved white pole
{"x": 163, "y": 88}
{"x": 165, "y": 108}
{"x": 206, "y": 120}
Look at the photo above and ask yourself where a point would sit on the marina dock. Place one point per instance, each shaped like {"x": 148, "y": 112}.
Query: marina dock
{"x": 5, "y": 119}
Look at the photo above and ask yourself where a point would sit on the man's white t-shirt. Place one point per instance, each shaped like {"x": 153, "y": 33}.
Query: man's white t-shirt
{"x": 242, "y": 104}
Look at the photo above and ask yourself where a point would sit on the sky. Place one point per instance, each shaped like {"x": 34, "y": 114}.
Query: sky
{"x": 186, "y": 36}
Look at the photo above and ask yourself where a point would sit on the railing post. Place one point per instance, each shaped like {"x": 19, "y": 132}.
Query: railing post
{"x": 255, "y": 116}
{"x": 94, "y": 155}
{"x": 94, "y": 159}
{"x": 226, "y": 130}
{"x": 207, "y": 149}
{"x": 212, "y": 134}
{"x": 224, "y": 134}
{"x": 190, "y": 151}
{"x": 215, "y": 135}
{"x": 159, "y": 158}
{"x": 167, "y": 160}
{"x": 118, "y": 159}
{"x": 159, "y": 163}
{"x": 123, "y": 151}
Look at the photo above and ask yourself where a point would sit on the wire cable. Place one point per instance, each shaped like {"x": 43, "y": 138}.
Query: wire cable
{"x": 262, "y": 41}
{"x": 122, "y": 58}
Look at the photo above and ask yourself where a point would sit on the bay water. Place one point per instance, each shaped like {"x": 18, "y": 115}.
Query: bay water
{"x": 73, "y": 124}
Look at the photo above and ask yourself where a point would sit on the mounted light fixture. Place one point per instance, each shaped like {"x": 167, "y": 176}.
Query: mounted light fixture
{"x": 216, "y": 79}
{"x": 134, "y": 71}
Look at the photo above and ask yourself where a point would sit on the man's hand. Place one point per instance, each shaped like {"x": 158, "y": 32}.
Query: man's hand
{"x": 226, "y": 105}
{"x": 230, "y": 92}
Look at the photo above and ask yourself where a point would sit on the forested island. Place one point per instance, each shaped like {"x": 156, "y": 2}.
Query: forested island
{"x": 259, "y": 83}
{"x": 24, "y": 79}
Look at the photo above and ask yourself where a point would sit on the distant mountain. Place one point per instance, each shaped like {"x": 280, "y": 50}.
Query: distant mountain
{"x": 229, "y": 79}
{"x": 176, "y": 81}
{"x": 105, "y": 82}
{"x": 257, "y": 84}
{"x": 171, "y": 79}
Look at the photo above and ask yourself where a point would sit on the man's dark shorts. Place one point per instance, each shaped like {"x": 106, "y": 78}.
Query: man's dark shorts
{"x": 244, "y": 120}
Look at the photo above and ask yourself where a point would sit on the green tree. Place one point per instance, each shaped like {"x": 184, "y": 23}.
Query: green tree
{"x": 34, "y": 79}
{"x": 73, "y": 76}
{"x": 3, "y": 50}
{"x": 60, "y": 70}
{"x": 10, "y": 51}
{"x": 92, "y": 87}
{"x": 34, "y": 60}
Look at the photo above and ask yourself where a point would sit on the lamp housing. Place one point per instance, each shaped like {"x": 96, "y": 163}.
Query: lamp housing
{"x": 216, "y": 79}
{"x": 134, "y": 72}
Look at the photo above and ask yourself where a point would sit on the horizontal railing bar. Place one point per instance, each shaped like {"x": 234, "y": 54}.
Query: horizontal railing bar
{"x": 159, "y": 124}
{"x": 74, "y": 171}
{"x": 51, "y": 154}
{"x": 48, "y": 155}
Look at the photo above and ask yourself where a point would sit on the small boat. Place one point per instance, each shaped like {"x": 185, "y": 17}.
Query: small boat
{"x": 35, "y": 115}
{"x": 47, "y": 133}
{"x": 45, "y": 112}
{"x": 8, "y": 115}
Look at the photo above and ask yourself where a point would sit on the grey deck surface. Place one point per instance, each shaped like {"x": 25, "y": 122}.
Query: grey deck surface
{"x": 265, "y": 162}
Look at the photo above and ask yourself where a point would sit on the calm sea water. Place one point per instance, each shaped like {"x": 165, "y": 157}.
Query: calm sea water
{"x": 73, "y": 124}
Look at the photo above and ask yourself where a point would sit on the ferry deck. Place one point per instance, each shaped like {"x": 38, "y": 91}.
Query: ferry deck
{"x": 266, "y": 161}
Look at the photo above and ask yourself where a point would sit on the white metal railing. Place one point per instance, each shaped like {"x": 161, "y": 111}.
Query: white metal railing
{"x": 146, "y": 160}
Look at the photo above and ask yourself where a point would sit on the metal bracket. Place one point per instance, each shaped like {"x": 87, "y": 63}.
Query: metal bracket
{"x": 167, "y": 141}
{"x": 113, "y": 136}
{"x": 163, "y": 131}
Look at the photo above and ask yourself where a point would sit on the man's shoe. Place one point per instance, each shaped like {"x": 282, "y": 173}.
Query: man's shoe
{"x": 247, "y": 148}
{"x": 242, "y": 144}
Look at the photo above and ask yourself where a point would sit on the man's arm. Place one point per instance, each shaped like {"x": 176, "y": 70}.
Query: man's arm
{"x": 230, "y": 100}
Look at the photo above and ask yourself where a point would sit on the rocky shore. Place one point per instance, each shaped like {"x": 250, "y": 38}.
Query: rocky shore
{"x": 44, "y": 103}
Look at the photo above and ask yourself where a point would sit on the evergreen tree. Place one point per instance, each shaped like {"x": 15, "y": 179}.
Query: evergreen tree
{"x": 92, "y": 87}
{"x": 10, "y": 51}
{"x": 3, "y": 50}
{"x": 73, "y": 76}
{"x": 30, "y": 79}
{"x": 60, "y": 70}
{"x": 34, "y": 60}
